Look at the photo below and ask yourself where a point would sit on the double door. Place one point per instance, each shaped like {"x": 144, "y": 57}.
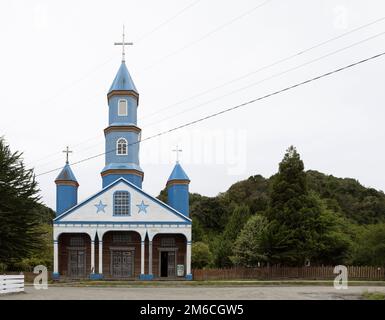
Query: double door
{"x": 122, "y": 264}
{"x": 77, "y": 263}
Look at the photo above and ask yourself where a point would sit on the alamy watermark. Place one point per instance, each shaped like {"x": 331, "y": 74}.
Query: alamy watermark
{"x": 219, "y": 147}
{"x": 41, "y": 280}
{"x": 341, "y": 280}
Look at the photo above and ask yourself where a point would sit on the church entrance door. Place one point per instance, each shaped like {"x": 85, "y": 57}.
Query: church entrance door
{"x": 167, "y": 264}
{"x": 77, "y": 263}
{"x": 122, "y": 264}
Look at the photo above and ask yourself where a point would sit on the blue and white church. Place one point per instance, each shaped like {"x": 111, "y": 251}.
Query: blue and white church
{"x": 122, "y": 232}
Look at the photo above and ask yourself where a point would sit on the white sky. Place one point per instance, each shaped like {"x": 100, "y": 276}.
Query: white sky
{"x": 58, "y": 61}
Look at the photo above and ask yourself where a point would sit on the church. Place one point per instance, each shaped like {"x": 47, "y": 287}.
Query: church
{"x": 122, "y": 232}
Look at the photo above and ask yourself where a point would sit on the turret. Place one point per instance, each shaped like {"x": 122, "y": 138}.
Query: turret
{"x": 66, "y": 190}
{"x": 178, "y": 190}
{"x": 122, "y": 134}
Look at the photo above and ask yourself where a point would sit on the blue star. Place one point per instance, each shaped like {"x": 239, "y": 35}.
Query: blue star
{"x": 100, "y": 206}
{"x": 142, "y": 207}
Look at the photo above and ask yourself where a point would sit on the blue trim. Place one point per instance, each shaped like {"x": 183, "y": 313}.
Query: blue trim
{"x": 146, "y": 277}
{"x": 129, "y": 204}
{"x": 177, "y": 213}
{"x": 96, "y": 276}
{"x": 55, "y": 275}
{"x": 122, "y": 222}
{"x": 189, "y": 276}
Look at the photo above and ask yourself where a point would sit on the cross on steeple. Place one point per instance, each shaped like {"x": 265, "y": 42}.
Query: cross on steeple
{"x": 177, "y": 150}
{"x": 67, "y": 152}
{"x": 123, "y": 44}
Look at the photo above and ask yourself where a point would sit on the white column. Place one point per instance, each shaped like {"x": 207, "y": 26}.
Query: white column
{"x": 100, "y": 257}
{"x": 55, "y": 257}
{"x": 92, "y": 256}
{"x": 142, "y": 258}
{"x": 188, "y": 258}
{"x": 150, "y": 257}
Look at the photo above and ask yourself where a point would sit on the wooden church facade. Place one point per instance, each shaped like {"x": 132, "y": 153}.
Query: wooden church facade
{"x": 122, "y": 232}
{"x": 121, "y": 258}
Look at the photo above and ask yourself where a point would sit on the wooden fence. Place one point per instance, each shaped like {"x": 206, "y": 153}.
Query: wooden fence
{"x": 11, "y": 283}
{"x": 287, "y": 273}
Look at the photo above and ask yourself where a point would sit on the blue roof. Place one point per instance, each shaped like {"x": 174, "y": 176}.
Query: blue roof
{"x": 123, "y": 80}
{"x": 178, "y": 173}
{"x": 66, "y": 174}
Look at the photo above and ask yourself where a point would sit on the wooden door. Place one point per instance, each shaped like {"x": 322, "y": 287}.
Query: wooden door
{"x": 122, "y": 264}
{"x": 77, "y": 263}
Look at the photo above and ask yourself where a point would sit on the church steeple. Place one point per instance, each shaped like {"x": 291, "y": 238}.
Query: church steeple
{"x": 123, "y": 81}
{"x": 66, "y": 188}
{"x": 178, "y": 188}
{"x": 122, "y": 134}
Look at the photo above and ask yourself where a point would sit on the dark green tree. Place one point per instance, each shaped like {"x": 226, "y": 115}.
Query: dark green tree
{"x": 20, "y": 235}
{"x": 293, "y": 215}
{"x": 370, "y": 248}
{"x": 225, "y": 242}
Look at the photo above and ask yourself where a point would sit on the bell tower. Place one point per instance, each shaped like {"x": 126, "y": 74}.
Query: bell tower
{"x": 122, "y": 136}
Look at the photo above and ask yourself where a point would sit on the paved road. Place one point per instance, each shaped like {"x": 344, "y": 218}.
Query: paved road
{"x": 194, "y": 293}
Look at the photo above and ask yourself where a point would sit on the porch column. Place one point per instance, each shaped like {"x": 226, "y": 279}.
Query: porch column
{"x": 55, "y": 257}
{"x": 100, "y": 257}
{"x": 150, "y": 258}
{"x": 92, "y": 256}
{"x": 188, "y": 261}
{"x": 142, "y": 257}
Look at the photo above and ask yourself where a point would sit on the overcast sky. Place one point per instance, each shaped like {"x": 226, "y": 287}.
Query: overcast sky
{"x": 58, "y": 62}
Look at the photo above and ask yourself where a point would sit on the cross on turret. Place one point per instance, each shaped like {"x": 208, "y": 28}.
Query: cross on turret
{"x": 123, "y": 44}
{"x": 67, "y": 152}
{"x": 177, "y": 150}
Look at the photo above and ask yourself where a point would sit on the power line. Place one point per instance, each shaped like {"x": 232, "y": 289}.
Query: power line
{"x": 277, "y": 62}
{"x": 231, "y": 108}
{"x": 167, "y": 21}
{"x": 235, "y": 79}
{"x": 245, "y": 87}
{"x": 268, "y": 78}
{"x": 215, "y": 30}
{"x": 99, "y": 66}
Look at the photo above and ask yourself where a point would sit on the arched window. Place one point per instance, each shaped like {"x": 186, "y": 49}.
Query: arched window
{"x": 122, "y": 107}
{"x": 122, "y": 200}
{"x": 121, "y": 146}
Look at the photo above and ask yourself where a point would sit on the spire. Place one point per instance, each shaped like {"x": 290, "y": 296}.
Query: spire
{"x": 123, "y": 81}
{"x": 178, "y": 174}
{"x": 66, "y": 174}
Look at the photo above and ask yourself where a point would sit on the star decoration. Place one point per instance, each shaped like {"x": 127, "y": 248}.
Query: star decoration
{"x": 100, "y": 206}
{"x": 142, "y": 207}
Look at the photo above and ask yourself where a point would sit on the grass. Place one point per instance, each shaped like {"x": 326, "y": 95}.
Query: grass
{"x": 373, "y": 296}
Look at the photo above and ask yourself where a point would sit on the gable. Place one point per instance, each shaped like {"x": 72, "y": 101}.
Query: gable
{"x": 143, "y": 208}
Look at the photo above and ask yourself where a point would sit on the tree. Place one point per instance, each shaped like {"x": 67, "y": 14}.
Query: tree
{"x": 248, "y": 249}
{"x": 223, "y": 246}
{"x": 201, "y": 255}
{"x": 236, "y": 222}
{"x": 370, "y": 249}
{"x": 293, "y": 215}
{"x": 20, "y": 236}
{"x": 222, "y": 249}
